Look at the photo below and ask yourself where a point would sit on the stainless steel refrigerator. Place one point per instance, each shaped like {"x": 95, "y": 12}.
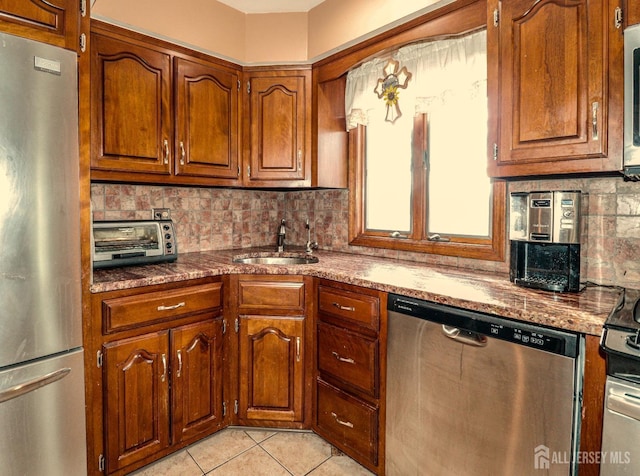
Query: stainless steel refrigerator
{"x": 42, "y": 419}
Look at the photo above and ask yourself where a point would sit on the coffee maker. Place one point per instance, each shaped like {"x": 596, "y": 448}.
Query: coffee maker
{"x": 545, "y": 236}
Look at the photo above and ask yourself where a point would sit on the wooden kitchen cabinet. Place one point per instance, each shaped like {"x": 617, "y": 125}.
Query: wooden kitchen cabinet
{"x": 555, "y": 87}
{"x": 272, "y": 368}
{"x": 159, "y": 382}
{"x": 350, "y": 372}
{"x": 279, "y": 128}
{"x": 631, "y": 12}
{"x": 143, "y": 374}
{"x": 273, "y": 338}
{"x": 207, "y": 120}
{"x": 131, "y": 107}
{"x": 196, "y": 352}
{"x": 56, "y": 22}
{"x": 136, "y": 383}
{"x": 159, "y": 115}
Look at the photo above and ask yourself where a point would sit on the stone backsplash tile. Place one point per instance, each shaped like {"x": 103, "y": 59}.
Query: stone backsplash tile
{"x": 215, "y": 219}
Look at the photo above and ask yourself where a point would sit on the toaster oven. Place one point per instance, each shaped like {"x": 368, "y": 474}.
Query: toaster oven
{"x": 124, "y": 243}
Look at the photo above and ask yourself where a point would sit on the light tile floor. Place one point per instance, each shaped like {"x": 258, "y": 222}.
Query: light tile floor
{"x": 256, "y": 452}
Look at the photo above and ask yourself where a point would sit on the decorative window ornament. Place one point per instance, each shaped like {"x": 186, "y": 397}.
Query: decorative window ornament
{"x": 387, "y": 88}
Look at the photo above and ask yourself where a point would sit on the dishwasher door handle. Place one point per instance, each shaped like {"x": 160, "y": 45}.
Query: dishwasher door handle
{"x": 465, "y": 337}
{"x": 627, "y": 405}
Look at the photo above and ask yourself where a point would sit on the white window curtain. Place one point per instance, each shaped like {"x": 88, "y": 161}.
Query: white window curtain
{"x": 442, "y": 70}
{"x": 449, "y": 84}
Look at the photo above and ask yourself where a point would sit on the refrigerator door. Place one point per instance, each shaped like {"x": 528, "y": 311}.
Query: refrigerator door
{"x": 42, "y": 418}
{"x": 39, "y": 201}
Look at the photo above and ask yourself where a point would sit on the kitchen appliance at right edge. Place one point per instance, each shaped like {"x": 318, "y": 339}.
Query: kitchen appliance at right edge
{"x": 547, "y": 240}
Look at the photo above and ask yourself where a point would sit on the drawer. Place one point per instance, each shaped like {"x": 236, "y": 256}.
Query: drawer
{"x": 268, "y": 293}
{"x": 142, "y": 309}
{"x": 348, "y": 356}
{"x": 349, "y": 422}
{"x": 357, "y": 308}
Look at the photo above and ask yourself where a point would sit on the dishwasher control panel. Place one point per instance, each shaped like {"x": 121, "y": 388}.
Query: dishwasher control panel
{"x": 537, "y": 338}
{"x": 523, "y": 333}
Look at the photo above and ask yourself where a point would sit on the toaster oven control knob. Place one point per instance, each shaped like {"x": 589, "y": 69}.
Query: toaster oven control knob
{"x": 168, "y": 236}
{"x": 169, "y": 246}
{"x": 166, "y": 227}
{"x": 568, "y": 213}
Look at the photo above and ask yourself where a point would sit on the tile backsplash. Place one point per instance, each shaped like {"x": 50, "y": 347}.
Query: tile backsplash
{"x": 217, "y": 218}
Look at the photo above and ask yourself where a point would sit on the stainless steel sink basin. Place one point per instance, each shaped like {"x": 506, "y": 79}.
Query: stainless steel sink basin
{"x": 265, "y": 258}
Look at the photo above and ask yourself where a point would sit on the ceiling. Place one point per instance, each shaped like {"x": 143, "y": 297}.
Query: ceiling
{"x": 271, "y": 6}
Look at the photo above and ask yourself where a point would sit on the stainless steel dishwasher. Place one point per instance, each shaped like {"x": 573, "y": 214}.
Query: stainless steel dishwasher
{"x": 474, "y": 394}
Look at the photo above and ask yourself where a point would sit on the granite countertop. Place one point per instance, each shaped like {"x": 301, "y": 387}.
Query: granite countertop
{"x": 487, "y": 292}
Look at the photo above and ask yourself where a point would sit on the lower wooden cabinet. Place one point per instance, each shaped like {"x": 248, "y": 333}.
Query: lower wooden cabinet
{"x": 158, "y": 382}
{"x": 161, "y": 389}
{"x": 136, "y": 389}
{"x": 349, "y": 397}
{"x": 348, "y": 422}
{"x": 196, "y": 350}
{"x": 272, "y": 368}
{"x": 274, "y": 333}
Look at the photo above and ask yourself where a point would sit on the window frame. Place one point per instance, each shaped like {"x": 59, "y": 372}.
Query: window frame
{"x": 487, "y": 248}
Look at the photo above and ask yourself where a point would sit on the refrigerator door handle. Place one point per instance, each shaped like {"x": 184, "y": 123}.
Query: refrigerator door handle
{"x": 33, "y": 384}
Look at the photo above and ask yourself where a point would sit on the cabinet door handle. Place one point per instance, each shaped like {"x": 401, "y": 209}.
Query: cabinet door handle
{"x": 299, "y": 159}
{"x": 343, "y": 359}
{"x": 171, "y": 308}
{"x": 297, "y": 349}
{"x": 165, "y": 145}
{"x": 179, "y": 364}
{"x": 164, "y": 366}
{"x": 348, "y": 424}
{"x": 183, "y": 154}
{"x": 344, "y": 308}
{"x": 594, "y": 120}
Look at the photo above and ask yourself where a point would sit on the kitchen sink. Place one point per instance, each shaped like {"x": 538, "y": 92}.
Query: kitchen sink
{"x": 275, "y": 258}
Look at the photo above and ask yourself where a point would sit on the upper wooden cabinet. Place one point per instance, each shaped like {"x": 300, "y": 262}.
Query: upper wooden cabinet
{"x": 555, "y": 87}
{"x": 279, "y": 128}
{"x": 631, "y": 12}
{"x": 131, "y": 107}
{"x": 52, "y": 21}
{"x": 158, "y": 115}
{"x": 207, "y": 120}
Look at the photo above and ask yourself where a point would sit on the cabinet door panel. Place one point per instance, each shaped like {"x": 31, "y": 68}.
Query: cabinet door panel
{"x": 52, "y": 21}
{"x": 631, "y": 12}
{"x": 131, "y": 106}
{"x": 196, "y": 352}
{"x": 278, "y": 111}
{"x": 207, "y": 121}
{"x": 136, "y": 398}
{"x": 271, "y": 361}
{"x": 552, "y": 62}
{"x": 553, "y": 75}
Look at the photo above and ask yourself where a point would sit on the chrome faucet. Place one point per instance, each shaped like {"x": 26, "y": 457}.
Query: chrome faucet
{"x": 282, "y": 231}
{"x": 310, "y": 246}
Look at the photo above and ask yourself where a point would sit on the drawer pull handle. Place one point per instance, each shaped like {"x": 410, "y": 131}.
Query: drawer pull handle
{"x": 179, "y": 364}
{"x": 348, "y": 424}
{"x": 343, "y": 359}
{"x": 171, "y": 308}
{"x": 297, "y": 349}
{"x": 344, "y": 308}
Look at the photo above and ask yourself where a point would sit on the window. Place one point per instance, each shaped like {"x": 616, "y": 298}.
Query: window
{"x": 420, "y": 156}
